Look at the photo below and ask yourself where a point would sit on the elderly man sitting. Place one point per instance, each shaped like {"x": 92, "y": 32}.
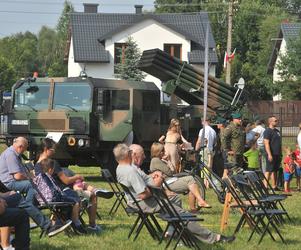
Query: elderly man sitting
{"x": 137, "y": 182}
{"x": 14, "y": 177}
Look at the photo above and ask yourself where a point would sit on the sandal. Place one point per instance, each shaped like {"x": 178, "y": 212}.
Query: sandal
{"x": 205, "y": 205}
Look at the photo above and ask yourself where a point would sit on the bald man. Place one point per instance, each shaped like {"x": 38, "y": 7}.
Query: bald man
{"x": 13, "y": 176}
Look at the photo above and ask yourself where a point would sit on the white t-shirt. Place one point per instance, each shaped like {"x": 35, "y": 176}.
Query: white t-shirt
{"x": 210, "y": 135}
{"x": 259, "y": 129}
{"x": 299, "y": 140}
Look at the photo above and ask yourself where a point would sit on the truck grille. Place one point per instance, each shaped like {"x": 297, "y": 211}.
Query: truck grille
{"x": 48, "y": 124}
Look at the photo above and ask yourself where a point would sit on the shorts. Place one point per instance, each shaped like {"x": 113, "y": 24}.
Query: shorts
{"x": 72, "y": 195}
{"x": 287, "y": 176}
{"x": 274, "y": 165}
{"x": 298, "y": 171}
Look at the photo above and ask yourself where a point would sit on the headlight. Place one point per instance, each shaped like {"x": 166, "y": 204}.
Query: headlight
{"x": 71, "y": 141}
{"x": 81, "y": 142}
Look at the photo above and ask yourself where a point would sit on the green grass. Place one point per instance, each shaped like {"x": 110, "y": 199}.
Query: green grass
{"x": 116, "y": 228}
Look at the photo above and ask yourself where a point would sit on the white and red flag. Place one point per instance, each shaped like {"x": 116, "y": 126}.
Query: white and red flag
{"x": 228, "y": 58}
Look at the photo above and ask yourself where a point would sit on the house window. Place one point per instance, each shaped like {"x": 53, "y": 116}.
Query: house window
{"x": 173, "y": 49}
{"x": 119, "y": 53}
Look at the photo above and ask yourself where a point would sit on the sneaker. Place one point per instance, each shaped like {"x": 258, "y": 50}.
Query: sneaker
{"x": 79, "y": 229}
{"x": 94, "y": 229}
{"x": 55, "y": 229}
{"x": 226, "y": 239}
{"x": 104, "y": 193}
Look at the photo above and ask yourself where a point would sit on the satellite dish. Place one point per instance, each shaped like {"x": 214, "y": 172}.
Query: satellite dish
{"x": 240, "y": 84}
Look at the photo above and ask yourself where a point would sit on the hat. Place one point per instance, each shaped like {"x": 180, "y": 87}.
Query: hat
{"x": 236, "y": 115}
{"x": 220, "y": 120}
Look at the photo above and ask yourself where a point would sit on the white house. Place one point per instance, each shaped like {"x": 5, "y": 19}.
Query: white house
{"x": 96, "y": 37}
{"x": 287, "y": 31}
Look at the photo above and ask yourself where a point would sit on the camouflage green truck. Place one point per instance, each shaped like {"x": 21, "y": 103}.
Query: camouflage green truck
{"x": 89, "y": 116}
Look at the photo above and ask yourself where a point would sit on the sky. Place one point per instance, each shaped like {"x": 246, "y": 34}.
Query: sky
{"x": 30, "y": 15}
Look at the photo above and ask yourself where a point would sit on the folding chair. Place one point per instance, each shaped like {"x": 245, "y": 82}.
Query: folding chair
{"x": 177, "y": 219}
{"x": 145, "y": 219}
{"x": 57, "y": 209}
{"x": 239, "y": 204}
{"x": 118, "y": 193}
{"x": 270, "y": 199}
{"x": 262, "y": 215}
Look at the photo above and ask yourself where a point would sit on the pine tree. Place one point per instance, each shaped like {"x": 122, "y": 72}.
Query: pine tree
{"x": 127, "y": 69}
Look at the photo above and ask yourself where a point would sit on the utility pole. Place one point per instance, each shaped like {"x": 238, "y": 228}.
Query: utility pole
{"x": 229, "y": 41}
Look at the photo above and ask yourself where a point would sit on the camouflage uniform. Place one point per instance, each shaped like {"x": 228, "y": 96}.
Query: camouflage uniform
{"x": 234, "y": 140}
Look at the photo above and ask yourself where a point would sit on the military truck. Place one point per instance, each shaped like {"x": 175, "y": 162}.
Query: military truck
{"x": 88, "y": 116}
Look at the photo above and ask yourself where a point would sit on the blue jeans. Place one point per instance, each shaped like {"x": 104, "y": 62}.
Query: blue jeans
{"x": 18, "y": 218}
{"x": 26, "y": 203}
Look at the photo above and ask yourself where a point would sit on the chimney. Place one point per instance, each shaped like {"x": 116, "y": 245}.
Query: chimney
{"x": 138, "y": 9}
{"x": 90, "y": 7}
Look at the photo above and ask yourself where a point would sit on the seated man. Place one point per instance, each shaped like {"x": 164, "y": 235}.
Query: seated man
{"x": 14, "y": 177}
{"x": 12, "y": 216}
{"x": 137, "y": 181}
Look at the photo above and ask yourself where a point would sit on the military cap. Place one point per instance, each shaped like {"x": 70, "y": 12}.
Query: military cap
{"x": 236, "y": 115}
{"x": 220, "y": 120}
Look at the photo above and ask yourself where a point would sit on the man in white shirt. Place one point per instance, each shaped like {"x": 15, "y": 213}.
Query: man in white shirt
{"x": 259, "y": 129}
{"x": 208, "y": 134}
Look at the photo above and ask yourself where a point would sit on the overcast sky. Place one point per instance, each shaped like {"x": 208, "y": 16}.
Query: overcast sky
{"x": 31, "y": 15}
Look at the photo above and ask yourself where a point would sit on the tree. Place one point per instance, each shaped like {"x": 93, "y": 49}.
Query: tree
{"x": 127, "y": 69}
{"x": 59, "y": 67}
{"x": 255, "y": 24}
{"x": 178, "y": 6}
{"x": 7, "y": 74}
{"x": 290, "y": 71}
{"x": 47, "y": 41}
{"x": 20, "y": 50}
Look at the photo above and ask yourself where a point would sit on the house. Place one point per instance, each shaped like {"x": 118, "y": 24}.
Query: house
{"x": 96, "y": 39}
{"x": 287, "y": 31}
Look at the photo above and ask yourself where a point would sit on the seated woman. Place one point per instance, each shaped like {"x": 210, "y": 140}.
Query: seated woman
{"x": 181, "y": 184}
{"x": 46, "y": 150}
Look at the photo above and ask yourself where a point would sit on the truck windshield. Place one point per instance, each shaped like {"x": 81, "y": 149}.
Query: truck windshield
{"x": 72, "y": 96}
{"x": 33, "y": 96}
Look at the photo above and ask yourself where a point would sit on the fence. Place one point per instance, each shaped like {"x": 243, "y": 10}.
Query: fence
{"x": 287, "y": 112}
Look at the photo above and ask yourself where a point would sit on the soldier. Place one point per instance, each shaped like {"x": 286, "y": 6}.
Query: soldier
{"x": 234, "y": 138}
{"x": 221, "y": 145}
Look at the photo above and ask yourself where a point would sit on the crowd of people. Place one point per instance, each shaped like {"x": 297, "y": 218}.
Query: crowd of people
{"x": 254, "y": 146}
{"x": 19, "y": 197}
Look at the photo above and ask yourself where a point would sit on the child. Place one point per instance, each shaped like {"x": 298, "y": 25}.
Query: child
{"x": 298, "y": 167}
{"x": 52, "y": 193}
{"x": 289, "y": 168}
{"x": 252, "y": 156}
{"x": 86, "y": 190}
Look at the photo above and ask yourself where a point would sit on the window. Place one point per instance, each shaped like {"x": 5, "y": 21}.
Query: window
{"x": 120, "y": 100}
{"x": 150, "y": 101}
{"x": 72, "y": 96}
{"x": 119, "y": 52}
{"x": 33, "y": 96}
{"x": 173, "y": 49}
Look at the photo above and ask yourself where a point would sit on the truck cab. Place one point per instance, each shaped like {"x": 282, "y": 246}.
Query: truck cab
{"x": 87, "y": 116}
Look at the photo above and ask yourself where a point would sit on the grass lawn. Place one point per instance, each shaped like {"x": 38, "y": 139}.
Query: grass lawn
{"x": 116, "y": 228}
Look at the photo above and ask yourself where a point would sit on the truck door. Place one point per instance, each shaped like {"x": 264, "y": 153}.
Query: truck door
{"x": 115, "y": 111}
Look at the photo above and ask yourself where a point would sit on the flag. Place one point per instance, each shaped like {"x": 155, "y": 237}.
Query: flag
{"x": 228, "y": 58}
